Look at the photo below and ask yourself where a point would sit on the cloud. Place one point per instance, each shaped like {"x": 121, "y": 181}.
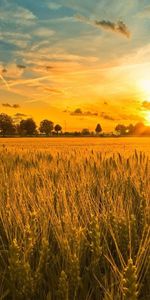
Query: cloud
{"x": 12, "y": 70}
{"x": 16, "y": 14}
{"x": 146, "y": 105}
{"x": 145, "y": 13}
{"x": 105, "y": 116}
{"x": 79, "y": 112}
{"x": 118, "y": 27}
{"x": 43, "y": 32}
{"x": 10, "y": 106}
{"x": 52, "y": 90}
{"x": 4, "y": 81}
{"x": 4, "y": 71}
{"x": 20, "y": 115}
{"x": 21, "y": 67}
{"x": 54, "y": 6}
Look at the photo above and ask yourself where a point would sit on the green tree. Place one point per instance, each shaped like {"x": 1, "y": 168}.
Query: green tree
{"x": 6, "y": 125}
{"x": 46, "y": 127}
{"x": 27, "y": 127}
{"x": 98, "y": 129}
{"x": 58, "y": 128}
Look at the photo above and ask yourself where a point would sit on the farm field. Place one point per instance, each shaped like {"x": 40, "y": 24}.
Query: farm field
{"x": 108, "y": 145}
{"x": 74, "y": 219}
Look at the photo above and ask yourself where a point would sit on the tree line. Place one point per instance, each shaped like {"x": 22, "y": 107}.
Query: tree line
{"x": 28, "y": 127}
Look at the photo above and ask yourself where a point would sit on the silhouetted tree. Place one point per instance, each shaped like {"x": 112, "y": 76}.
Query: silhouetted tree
{"x": 6, "y": 125}
{"x": 130, "y": 129}
{"x": 98, "y": 129}
{"x": 27, "y": 127}
{"x": 121, "y": 129}
{"x": 58, "y": 128}
{"x": 85, "y": 131}
{"x": 46, "y": 127}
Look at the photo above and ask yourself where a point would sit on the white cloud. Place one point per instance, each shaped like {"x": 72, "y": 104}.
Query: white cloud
{"x": 17, "y": 14}
{"x": 54, "y": 6}
{"x": 43, "y": 32}
{"x": 19, "y": 39}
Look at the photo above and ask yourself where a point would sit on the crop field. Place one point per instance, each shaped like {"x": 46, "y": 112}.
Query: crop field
{"x": 75, "y": 219}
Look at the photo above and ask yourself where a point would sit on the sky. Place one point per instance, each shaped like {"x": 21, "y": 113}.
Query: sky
{"x": 76, "y": 63}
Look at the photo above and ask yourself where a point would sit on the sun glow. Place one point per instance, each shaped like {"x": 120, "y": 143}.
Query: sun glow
{"x": 145, "y": 87}
{"x": 147, "y": 118}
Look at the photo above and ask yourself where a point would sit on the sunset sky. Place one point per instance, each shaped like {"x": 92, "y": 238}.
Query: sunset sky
{"x": 76, "y": 62}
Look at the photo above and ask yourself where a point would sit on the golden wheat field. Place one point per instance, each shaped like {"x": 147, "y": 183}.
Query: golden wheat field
{"x": 75, "y": 219}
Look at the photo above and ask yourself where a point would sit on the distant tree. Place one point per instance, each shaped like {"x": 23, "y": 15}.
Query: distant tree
{"x": 46, "y": 127}
{"x": 6, "y": 125}
{"x": 58, "y": 128}
{"x": 130, "y": 129}
{"x": 98, "y": 129}
{"x": 121, "y": 129}
{"x": 139, "y": 128}
{"x": 27, "y": 127}
{"x": 85, "y": 132}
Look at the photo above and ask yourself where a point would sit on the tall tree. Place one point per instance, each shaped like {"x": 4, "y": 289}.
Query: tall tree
{"x": 58, "y": 128}
{"x": 27, "y": 127}
{"x": 6, "y": 125}
{"x": 98, "y": 129}
{"x": 46, "y": 127}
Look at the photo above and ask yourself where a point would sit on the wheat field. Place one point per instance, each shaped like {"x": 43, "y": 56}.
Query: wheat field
{"x": 74, "y": 220}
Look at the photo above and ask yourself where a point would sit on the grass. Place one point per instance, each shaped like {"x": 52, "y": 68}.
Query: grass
{"x": 74, "y": 225}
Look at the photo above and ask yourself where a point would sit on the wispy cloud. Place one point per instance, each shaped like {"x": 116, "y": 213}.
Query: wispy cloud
{"x": 10, "y": 105}
{"x": 79, "y": 112}
{"x": 54, "y": 6}
{"x": 118, "y": 27}
{"x": 20, "y": 115}
{"x": 17, "y": 14}
{"x": 28, "y": 81}
{"x": 105, "y": 116}
{"x": 4, "y": 81}
{"x": 21, "y": 67}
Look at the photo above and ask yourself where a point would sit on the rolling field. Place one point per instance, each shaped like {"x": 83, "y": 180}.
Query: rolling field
{"x": 75, "y": 219}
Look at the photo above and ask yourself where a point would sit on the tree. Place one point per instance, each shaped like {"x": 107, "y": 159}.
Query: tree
{"x": 98, "y": 129}
{"x": 6, "y": 125}
{"x": 58, "y": 128}
{"x": 85, "y": 131}
{"x": 130, "y": 129}
{"x": 27, "y": 127}
{"x": 139, "y": 128}
{"x": 46, "y": 127}
{"x": 121, "y": 129}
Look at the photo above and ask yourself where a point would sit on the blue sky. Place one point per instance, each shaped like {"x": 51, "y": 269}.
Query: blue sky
{"x": 57, "y": 56}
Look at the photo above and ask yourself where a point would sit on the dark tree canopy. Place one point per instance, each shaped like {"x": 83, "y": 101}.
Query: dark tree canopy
{"x": 46, "y": 127}
{"x": 58, "y": 128}
{"x": 98, "y": 129}
{"x": 85, "y": 131}
{"x": 27, "y": 127}
{"x": 121, "y": 129}
{"x": 6, "y": 125}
